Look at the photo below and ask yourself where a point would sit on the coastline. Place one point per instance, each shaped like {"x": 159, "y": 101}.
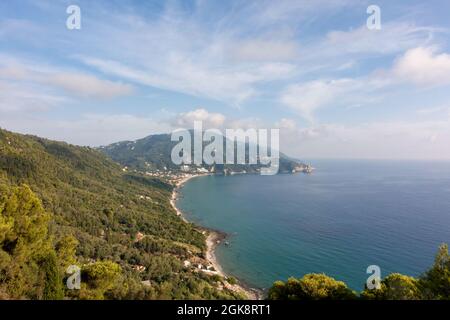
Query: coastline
{"x": 173, "y": 197}
{"x": 213, "y": 239}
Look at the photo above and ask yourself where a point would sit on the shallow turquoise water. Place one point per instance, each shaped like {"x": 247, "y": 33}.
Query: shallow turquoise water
{"x": 341, "y": 219}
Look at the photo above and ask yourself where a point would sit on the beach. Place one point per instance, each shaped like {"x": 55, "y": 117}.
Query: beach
{"x": 213, "y": 239}
{"x": 178, "y": 185}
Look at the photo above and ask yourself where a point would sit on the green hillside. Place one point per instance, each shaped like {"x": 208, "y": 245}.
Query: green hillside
{"x": 123, "y": 224}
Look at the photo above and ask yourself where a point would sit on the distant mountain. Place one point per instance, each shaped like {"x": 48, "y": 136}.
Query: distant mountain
{"x": 153, "y": 153}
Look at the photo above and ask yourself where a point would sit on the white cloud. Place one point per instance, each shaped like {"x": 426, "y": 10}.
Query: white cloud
{"x": 214, "y": 120}
{"x": 185, "y": 52}
{"x": 17, "y": 27}
{"x": 423, "y": 66}
{"x": 31, "y": 75}
{"x": 392, "y": 38}
{"x": 306, "y": 98}
{"x": 231, "y": 85}
{"x": 434, "y": 110}
{"x": 209, "y": 119}
{"x": 89, "y": 86}
{"x": 285, "y": 123}
{"x": 14, "y": 71}
{"x": 420, "y": 66}
{"x": 264, "y": 50}
{"x": 334, "y": 50}
{"x": 26, "y": 97}
{"x": 268, "y": 12}
{"x": 183, "y": 76}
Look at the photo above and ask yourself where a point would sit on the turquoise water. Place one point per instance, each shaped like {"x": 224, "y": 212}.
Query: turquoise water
{"x": 341, "y": 219}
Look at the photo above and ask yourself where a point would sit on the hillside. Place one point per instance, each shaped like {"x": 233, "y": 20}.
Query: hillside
{"x": 154, "y": 153}
{"x": 116, "y": 217}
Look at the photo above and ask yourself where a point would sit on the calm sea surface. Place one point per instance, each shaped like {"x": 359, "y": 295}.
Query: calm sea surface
{"x": 341, "y": 219}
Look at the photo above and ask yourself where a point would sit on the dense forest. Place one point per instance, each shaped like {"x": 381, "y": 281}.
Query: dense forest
{"x": 64, "y": 205}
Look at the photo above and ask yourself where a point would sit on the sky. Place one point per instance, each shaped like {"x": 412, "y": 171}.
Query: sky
{"x": 313, "y": 69}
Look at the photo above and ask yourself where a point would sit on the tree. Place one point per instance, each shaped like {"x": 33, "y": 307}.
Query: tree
{"x": 395, "y": 287}
{"x": 28, "y": 262}
{"x": 98, "y": 278}
{"x": 435, "y": 282}
{"x": 53, "y": 285}
{"x": 311, "y": 287}
{"x": 66, "y": 249}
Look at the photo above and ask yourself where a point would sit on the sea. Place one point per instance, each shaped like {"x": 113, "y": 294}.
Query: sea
{"x": 344, "y": 217}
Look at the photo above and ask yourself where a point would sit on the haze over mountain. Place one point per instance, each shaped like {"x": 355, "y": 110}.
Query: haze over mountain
{"x": 154, "y": 153}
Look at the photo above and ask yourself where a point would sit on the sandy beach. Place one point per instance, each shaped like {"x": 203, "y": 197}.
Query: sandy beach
{"x": 213, "y": 239}
{"x": 173, "y": 197}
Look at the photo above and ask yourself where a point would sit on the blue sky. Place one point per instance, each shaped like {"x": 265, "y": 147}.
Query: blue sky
{"x": 311, "y": 68}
